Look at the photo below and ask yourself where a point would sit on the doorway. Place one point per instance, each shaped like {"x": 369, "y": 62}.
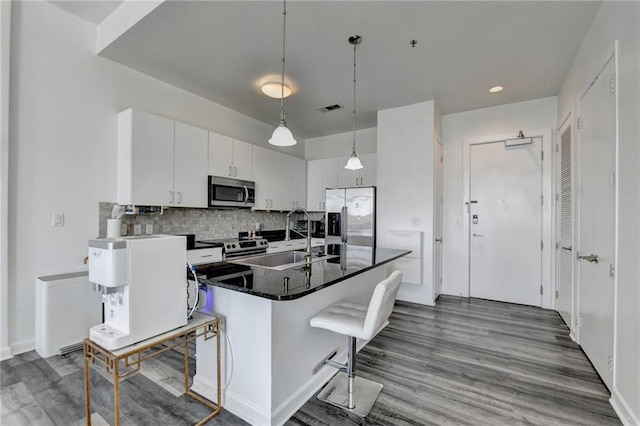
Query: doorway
{"x": 505, "y": 189}
{"x": 596, "y": 207}
{"x": 508, "y": 188}
{"x": 437, "y": 250}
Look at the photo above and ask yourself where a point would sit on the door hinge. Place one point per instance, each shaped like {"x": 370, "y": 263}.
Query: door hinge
{"x": 542, "y": 200}
{"x": 578, "y": 322}
{"x": 541, "y": 244}
{"x": 542, "y": 155}
{"x": 557, "y": 197}
{"x": 540, "y": 289}
{"x": 612, "y": 178}
{"x": 579, "y": 123}
{"x": 610, "y": 362}
{"x": 612, "y": 270}
{"x": 441, "y": 159}
{"x": 557, "y": 246}
{"x": 557, "y": 294}
{"x": 612, "y": 85}
{"x": 557, "y": 148}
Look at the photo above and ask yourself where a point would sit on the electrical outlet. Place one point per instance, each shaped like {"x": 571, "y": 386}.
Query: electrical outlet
{"x": 57, "y": 219}
{"x": 456, "y": 222}
{"x": 148, "y": 228}
{"x": 137, "y": 229}
{"x": 123, "y": 230}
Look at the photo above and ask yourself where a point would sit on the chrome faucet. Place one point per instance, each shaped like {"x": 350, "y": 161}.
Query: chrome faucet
{"x": 287, "y": 237}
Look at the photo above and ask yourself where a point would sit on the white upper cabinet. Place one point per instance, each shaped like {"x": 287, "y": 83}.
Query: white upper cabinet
{"x": 366, "y": 176}
{"x": 267, "y": 175}
{"x": 230, "y": 157}
{"x": 147, "y": 172}
{"x": 321, "y": 174}
{"x": 280, "y": 180}
{"x": 190, "y": 166}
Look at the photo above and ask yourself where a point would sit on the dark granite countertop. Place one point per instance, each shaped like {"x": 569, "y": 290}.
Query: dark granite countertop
{"x": 270, "y": 284}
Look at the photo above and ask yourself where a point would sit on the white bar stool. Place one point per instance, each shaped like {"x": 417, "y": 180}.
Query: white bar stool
{"x": 357, "y": 321}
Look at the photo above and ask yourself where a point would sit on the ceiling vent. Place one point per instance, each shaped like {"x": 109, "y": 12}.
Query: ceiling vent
{"x": 330, "y": 107}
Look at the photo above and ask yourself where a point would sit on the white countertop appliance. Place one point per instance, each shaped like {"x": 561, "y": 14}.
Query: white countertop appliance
{"x": 142, "y": 281}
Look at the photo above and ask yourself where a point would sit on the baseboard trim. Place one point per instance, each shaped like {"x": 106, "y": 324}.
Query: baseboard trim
{"x": 5, "y": 353}
{"x": 622, "y": 409}
{"x": 22, "y": 347}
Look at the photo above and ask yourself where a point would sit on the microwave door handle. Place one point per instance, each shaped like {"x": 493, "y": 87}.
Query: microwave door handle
{"x": 246, "y": 194}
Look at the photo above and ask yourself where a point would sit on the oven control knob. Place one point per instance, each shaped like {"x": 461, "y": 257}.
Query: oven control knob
{"x": 233, "y": 245}
{"x": 228, "y": 246}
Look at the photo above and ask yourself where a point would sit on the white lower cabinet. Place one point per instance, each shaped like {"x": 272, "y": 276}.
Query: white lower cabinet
{"x": 160, "y": 161}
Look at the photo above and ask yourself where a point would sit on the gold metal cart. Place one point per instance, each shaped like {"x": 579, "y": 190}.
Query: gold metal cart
{"x": 123, "y": 362}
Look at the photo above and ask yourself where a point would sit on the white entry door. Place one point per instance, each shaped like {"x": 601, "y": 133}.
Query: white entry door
{"x": 596, "y": 229}
{"x": 505, "y": 229}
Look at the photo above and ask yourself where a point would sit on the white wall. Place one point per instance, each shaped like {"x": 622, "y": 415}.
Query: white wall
{"x": 619, "y": 21}
{"x": 340, "y": 144}
{"x": 510, "y": 118}
{"x": 63, "y": 139}
{"x": 406, "y": 184}
{"x": 5, "y": 33}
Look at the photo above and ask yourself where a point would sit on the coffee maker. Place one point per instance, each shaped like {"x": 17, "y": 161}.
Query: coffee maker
{"x": 142, "y": 281}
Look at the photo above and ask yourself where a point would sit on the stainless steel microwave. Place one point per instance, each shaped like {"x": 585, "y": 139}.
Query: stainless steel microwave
{"x": 225, "y": 192}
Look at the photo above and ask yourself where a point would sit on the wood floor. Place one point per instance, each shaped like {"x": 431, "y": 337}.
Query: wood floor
{"x": 462, "y": 362}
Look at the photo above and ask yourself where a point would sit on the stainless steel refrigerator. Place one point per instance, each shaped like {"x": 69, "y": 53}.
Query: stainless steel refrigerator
{"x": 350, "y": 223}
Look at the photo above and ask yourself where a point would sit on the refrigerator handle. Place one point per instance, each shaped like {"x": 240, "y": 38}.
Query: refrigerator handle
{"x": 343, "y": 221}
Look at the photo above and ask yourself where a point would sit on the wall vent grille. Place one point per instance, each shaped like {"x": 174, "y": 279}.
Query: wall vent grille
{"x": 330, "y": 108}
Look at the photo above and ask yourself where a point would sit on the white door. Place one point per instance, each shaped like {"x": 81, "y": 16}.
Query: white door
{"x": 505, "y": 213}
{"x": 220, "y": 155}
{"x": 596, "y": 230}
{"x": 437, "y": 230}
{"x": 565, "y": 258}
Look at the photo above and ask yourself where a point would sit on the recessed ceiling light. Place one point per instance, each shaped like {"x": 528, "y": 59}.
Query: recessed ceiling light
{"x": 496, "y": 89}
{"x": 274, "y": 90}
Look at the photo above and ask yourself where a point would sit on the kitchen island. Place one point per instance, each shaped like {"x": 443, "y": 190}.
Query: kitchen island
{"x": 271, "y": 357}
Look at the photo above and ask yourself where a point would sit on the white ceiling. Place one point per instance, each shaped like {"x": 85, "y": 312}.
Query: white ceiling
{"x": 221, "y": 49}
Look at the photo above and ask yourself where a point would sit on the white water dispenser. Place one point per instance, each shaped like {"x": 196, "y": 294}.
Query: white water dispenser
{"x": 143, "y": 284}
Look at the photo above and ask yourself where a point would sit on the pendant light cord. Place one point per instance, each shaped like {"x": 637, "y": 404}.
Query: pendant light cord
{"x": 284, "y": 32}
{"x": 354, "y": 97}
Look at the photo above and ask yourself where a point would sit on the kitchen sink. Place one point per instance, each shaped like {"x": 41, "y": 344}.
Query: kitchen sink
{"x": 280, "y": 261}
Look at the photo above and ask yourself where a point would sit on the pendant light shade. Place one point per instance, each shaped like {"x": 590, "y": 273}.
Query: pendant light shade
{"x": 282, "y": 136}
{"x": 353, "y": 163}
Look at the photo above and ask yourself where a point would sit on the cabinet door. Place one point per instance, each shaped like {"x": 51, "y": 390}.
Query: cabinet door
{"x": 145, "y": 159}
{"x": 261, "y": 177}
{"x": 315, "y": 188}
{"x": 346, "y": 177}
{"x": 278, "y": 174}
{"x": 299, "y": 179}
{"x": 242, "y": 160}
{"x": 190, "y": 166}
{"x": 329, "y": 174}
{"x": 220, "y": 155}
{"x": 368, "y": 172}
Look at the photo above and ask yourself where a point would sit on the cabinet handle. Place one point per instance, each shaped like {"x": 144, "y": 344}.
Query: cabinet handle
{"x": 170, "y": 197}
{"x": 271, "y": 202}
{"x": 230, "y": 172}
{"x": 360, "y": 180}
{"x": 179, "y": 197}
{"x": 235, "y": 171}
{"x": 266, "y": 203}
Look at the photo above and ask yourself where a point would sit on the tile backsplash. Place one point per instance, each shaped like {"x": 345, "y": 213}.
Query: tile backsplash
{"x": 205, "y": 223}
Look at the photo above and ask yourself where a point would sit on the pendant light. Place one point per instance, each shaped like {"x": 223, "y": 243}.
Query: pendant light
{"x": 353, "y": 163}
{"x": 282, "y": 136}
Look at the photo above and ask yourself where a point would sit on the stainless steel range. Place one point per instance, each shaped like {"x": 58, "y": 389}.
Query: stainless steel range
{"x": 234, "y": 247}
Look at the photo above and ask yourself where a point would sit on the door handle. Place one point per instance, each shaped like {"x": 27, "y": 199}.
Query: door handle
{"x": 593, "y": 258}
{"x": 566, "y": 248}
{"x": 438, "y": 240}
{"x": 478, "y": 235}
{"x": 235, "y": 171}
{"x": 230, "y": 171}
{"x": 170, "y": 197}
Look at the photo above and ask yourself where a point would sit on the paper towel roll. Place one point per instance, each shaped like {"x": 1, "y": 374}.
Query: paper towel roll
{"x": 113, "y": 228}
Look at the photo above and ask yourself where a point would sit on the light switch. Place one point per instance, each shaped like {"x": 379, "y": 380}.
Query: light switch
{"x": 58, "y": 219}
